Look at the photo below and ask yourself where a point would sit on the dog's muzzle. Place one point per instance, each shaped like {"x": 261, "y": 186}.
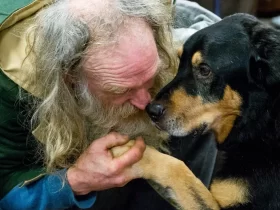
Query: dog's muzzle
{"x": 155, "y": 111}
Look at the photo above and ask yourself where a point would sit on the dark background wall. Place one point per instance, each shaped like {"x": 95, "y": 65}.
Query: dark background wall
{"x": 228, "y": 7}
{"x": 255, "y": 7}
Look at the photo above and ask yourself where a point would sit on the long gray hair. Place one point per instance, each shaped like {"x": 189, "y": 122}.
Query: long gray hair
{"x": 58, "y": 41}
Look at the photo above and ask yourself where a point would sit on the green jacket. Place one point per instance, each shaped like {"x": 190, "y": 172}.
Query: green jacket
{"x": 18, "y": 161}
{"x": 17, "y": 145}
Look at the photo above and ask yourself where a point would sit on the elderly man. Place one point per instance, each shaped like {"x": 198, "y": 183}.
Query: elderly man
{"x": 71, "y": 73}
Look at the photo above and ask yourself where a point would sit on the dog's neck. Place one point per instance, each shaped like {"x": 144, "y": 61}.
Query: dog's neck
{"x": 257, "y": 124}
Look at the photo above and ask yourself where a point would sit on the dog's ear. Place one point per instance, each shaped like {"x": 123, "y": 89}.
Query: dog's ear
{"x": 264, "y": 64}
{"x": 258, "y": 70}
{"x": 180, "y": 51}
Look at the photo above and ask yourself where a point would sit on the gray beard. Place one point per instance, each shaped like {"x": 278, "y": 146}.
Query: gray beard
{"x": 125, "y": 120}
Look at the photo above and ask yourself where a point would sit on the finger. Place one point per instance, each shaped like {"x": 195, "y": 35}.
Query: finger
{"x": 114, "y": 139}
{"x": 133, "y": 155}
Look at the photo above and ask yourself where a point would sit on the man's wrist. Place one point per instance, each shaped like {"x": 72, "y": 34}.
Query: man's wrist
{"x": 77, "y": 185}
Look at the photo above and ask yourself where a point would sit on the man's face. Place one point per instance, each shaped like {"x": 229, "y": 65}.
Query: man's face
{"x": 125, "y": 73}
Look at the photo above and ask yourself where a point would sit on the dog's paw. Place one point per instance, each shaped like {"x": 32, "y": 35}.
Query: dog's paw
{"x": 120, "y": 150}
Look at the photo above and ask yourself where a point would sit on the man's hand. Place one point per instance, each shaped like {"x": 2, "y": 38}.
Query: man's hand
{"x": 96, "y": 169}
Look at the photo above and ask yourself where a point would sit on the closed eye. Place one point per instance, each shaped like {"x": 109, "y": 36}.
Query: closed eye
{"x": 116, "y": 90}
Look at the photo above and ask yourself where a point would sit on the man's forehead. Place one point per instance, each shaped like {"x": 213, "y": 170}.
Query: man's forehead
{"x": 130, "y": 79}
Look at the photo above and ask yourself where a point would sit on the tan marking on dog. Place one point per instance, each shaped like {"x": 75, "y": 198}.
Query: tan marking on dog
{"x": 197, "y": 59}
{"x": 230, "y": 192}
{"x": 180, "y": 51}
{"x": 192, "y": 112}
{"x": 230, "y": 110}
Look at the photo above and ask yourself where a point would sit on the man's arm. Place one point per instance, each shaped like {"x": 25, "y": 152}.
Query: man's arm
{"x": 48, "y": 192}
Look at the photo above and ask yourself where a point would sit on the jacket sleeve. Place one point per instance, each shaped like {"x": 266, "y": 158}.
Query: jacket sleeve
{"x": 49, "y": 192}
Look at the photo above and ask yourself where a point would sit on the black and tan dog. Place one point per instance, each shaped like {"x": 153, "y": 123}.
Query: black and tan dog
{"x": 228, "y": 83}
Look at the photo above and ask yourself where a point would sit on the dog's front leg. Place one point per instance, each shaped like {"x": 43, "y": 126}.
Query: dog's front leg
{"x": 173, "y": 180}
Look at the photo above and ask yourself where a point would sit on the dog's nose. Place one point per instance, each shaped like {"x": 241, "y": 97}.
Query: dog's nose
{"x": 155, "y": 110}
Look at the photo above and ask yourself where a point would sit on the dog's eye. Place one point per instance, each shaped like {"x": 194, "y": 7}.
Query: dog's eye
{"x": 204, "y": 70}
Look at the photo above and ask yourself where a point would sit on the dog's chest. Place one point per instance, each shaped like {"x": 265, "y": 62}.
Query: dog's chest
{"x": 230, "y": 192}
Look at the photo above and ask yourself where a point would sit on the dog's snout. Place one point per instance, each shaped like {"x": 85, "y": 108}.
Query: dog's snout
{"x": 155, "y": 110}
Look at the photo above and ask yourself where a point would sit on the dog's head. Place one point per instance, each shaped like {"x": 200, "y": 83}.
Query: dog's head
{"x": 222, "y": 67}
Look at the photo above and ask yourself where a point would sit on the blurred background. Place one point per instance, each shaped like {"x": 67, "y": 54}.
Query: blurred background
{"x": 266, "y": 10}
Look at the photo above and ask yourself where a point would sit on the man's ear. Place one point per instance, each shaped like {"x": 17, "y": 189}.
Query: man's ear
{"x": 258, "y": 71}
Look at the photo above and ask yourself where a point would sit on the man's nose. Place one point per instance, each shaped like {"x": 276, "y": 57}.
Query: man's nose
{"x": 155, "y": 111}
{"x": 141, "y": 98}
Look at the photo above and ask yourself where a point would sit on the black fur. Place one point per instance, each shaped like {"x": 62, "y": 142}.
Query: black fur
{"x": 244, "y": 54}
